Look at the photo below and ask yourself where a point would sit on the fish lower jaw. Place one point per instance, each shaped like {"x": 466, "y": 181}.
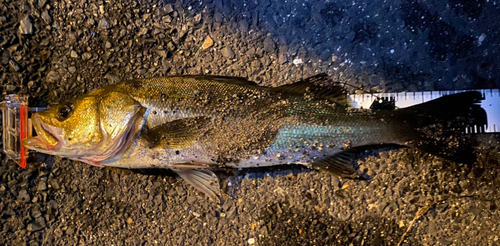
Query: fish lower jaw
{"x": 46, "y": 138}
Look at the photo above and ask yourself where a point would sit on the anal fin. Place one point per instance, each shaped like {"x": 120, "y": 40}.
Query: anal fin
{"x": 201, "y": 178}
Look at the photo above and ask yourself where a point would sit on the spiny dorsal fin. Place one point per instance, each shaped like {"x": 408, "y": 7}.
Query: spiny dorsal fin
{"x": 319, "y": 86}
{"x": 224, "y": 79}
{"x": 176, "y": 134}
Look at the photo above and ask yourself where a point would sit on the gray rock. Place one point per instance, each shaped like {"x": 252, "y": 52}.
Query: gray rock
{"x": 103, "y": 24}
{"x": 10, "y": 87}
{"x": 256, "y": 65}
{"x": 72, "y": 69}
{"x": 197, "y": 18}
{"x": 172, "y": 193}
{"x": 39, "y": 224}
{"x": 344, "y": 215}
{"x": 26, "y": 27}
{"x": 14, "y": 65}
{"x": 227, "y": 52}
{"x": 54, "y": 183}
{"x": 231, "y": 213}
{"x": 243, "y": 25}
{"x": 86, "y": 56}
{"x": 444, "y": 241}
{"x": 23, "y": 196}
{"x": 73, "y": 54}
{"x": 42, "y": 185}
{"x": 162, "y": 53}
{"x": 142, "y": 31}
{"x": 53, "y": 76}
{"x": 113, "y": 79}
{"x": 168, "y": 8}
{"x": 180, "y": 191}
{"x": 171, "y": 46}
{"x": 283, "y": 58}
{"x": 166, "y": 19}
{"x": 46, "y": 17}
{"x": 41, "y": 3}
{"x": 36, "y": 213}
{"x": 259, "y": 53}
{"x": 191, "y": 199}
{"x": 432, "y": 228}
{"x": 251, "y": 53}
{"x": 218, "y": 17}
{"x": 269, "y": 45}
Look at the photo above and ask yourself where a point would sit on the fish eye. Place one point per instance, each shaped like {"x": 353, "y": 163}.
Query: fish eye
{"x": 65, "y": 111}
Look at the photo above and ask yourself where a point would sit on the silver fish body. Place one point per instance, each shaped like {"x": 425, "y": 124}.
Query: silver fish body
{"x": 191, "y": 124}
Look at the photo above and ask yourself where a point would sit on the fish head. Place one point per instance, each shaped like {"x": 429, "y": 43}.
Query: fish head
{"x": 91, "y": 128}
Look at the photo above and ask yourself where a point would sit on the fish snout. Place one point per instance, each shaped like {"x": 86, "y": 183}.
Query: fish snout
{"x": 47, "y": 137}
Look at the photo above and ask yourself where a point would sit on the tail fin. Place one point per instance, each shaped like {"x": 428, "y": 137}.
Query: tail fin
{"x": 443, "y": 125}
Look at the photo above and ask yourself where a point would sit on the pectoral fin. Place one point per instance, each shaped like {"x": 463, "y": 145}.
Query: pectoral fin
{"x": 201, "y": 178}
{"x": 176, "y": 134}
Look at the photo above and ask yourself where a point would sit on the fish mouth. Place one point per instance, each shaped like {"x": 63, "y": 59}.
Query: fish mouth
{"x": 46, "y": 139}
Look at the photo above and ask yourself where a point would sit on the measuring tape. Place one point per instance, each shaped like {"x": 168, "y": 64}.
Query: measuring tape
{"x": 490, "y": 102}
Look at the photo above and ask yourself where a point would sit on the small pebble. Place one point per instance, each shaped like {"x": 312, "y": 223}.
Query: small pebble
{"x": 14, "y": 65}
{"x": 86, "y": 56}
{"x": 23, "y": 196}
{"x": 227, "y": 52}
{"x": 168, "y": 8}
{"x": 73, "y": 54}
{"x": 207, "y": 43}
{"x": 269, "y": 45}
{"x": 103, "y": 24}
{"x": 26, "y": 27}
{"x": 251, "y": 241}
{"x": 10, "y": 87}
{"x": 297, "y": 61}
{"x": 243, "y": 24}
{"x": 283, "y": 58}
{"x": 42, "y": 185}
{"x": 46, "y": 17}
{"x": 41, "y": 3}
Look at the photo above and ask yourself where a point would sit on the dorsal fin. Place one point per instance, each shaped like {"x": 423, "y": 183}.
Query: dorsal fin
{"x": 224, "y": 79}
{"x": 320, "y": 87}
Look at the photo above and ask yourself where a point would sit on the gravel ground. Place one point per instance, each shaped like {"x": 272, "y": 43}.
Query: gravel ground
{"x": 56, "y": 50}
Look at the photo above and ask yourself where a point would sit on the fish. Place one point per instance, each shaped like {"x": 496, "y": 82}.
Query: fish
{"x": 196, "y": 124}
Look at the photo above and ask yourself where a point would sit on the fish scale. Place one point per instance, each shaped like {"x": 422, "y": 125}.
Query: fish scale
{"x": 165, "y": 94}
